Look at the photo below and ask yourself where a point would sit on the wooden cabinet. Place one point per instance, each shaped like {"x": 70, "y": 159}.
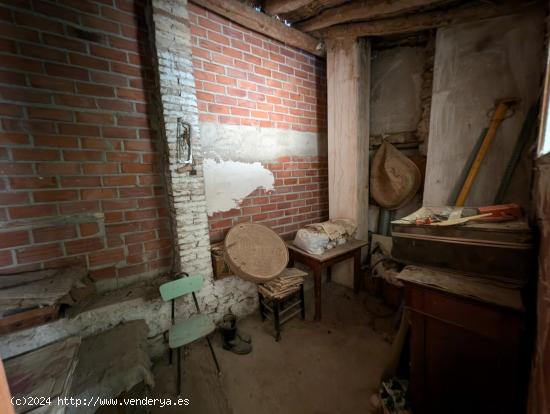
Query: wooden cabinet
{"x": 466, "y": 353}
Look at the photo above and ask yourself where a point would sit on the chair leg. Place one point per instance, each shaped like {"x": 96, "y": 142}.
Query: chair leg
{"x": 303, "y": 303}
{"x": 261, "y": 306}
{"x": 276, "y": 319}
{"x": 213, "y": 355}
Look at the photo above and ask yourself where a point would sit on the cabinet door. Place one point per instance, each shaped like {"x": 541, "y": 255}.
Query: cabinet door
{"x": 464, "y": 356}
{"x": 459, "y": 371}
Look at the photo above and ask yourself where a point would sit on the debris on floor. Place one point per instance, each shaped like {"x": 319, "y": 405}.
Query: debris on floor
{"x": 394, "y": 396}
{"x": 110, "y": 363}
{"x": 41, "y": 376}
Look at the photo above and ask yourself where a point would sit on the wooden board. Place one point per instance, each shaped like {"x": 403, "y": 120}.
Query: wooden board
{"x": 364, "y": 10}
{"x": 246, "y": 16}
{"x": 45, "y": 288}
{"x": 255, "y": 252}
{"x": 428, "y": 20}
{"x": 458, "y": 284}
{"x": 44, "y": 372}
{"x": 28, "y": 319}
{"x": 348, "y": 78}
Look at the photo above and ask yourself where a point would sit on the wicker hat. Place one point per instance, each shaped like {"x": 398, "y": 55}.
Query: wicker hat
{"x": 394, "y": 179}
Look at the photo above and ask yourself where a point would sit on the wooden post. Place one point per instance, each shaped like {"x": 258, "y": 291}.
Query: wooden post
{"x": 348, "y": 79}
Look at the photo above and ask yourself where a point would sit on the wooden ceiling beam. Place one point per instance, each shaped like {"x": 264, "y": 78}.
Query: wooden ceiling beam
{"x": 364, "y": 10}
{"x": 429, "y": 20}
{"x": 275, "y": 7}
{"x": 262, "y": 23}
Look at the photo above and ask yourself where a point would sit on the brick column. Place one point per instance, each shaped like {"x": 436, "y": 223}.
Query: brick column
{"x": 172, "y": 44}
{"x": 171, "y": 39}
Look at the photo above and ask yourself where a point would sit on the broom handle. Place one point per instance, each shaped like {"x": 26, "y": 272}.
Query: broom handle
{"x": 498, "y": 117}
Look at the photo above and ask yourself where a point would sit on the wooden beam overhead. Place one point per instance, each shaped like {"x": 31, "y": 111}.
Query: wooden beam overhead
{"x": 262, "y": 23}
{"x": 429, "y": 20}
{"x": 274, "y": 7}
{"x": 364, "y": 10}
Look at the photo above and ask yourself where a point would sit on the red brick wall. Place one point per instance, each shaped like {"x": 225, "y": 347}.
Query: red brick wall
{"x": 76, "y": 139}
{"x": 299, "y": 197}
{"x": 244, "y": 78}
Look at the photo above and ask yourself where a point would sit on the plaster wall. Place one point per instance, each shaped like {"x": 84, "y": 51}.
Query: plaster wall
{"x": 400, "y": 77}
{"x": 395, "y": 92}
{"x": 236, "y": 155}
{"x": 476, "y": 64}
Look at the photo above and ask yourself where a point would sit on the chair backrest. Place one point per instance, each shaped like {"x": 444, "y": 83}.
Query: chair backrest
{"x": 180, "y": 287}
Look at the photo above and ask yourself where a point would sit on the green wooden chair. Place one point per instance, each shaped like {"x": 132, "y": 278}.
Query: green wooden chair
{"x": 196, "y": 327}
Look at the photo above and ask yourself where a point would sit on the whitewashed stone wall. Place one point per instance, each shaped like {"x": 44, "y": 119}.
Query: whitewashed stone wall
{"x": 171, "y": 38}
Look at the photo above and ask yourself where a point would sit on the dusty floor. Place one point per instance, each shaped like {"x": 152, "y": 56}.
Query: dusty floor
{"x": 332, "y": 366}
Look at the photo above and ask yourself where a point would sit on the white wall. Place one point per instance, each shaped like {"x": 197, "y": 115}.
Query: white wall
{"x": 476, "y": 64}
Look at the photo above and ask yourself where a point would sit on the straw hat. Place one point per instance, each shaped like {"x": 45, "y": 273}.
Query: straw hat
{"x": 394, "y": 179}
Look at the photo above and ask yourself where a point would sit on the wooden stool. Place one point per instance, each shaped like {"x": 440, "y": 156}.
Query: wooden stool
{"x": 282, "y": 309}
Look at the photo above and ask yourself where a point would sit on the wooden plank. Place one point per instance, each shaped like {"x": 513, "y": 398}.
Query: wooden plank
{"x": 462, "y": 285}
{"x": 364, "y": 10}
{"x": 310, "y": 9}
{"x": 28, "y": 319}
{"x": 275, "y": 7}
{"x": 348, "y": 78}
{"x": 44, "y": 372}
{"x": 49, "y": 291}
{"x": 429, "y": 20}
{"x": 259, "y": 22}
{"x": 9, "y": 281}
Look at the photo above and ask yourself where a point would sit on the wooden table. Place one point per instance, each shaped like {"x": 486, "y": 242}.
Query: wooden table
{"x": 318, "y": 262}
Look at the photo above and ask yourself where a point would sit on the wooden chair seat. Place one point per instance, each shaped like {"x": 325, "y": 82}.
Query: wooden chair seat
{"x": 190, "y": 330}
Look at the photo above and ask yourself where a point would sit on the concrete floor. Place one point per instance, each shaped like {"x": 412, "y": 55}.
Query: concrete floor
{"x": 332, "y": 366}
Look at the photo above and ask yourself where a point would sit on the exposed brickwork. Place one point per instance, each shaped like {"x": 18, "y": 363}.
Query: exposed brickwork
{"x": 172, "y": 39}
{"x": 245, "y": 78}
{"x": 299, "y": 197}
{"x": 78, "y": 148}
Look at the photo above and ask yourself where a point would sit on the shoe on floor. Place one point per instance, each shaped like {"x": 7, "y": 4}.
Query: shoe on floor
{"x": 233, "y": 340}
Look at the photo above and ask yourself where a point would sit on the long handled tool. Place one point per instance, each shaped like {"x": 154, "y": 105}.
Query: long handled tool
{"x": 501, "y": 110}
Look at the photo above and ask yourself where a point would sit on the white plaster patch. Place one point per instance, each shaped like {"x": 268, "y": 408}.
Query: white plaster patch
{"x": 251, "y": 144}
{"x": 227, "y": 183}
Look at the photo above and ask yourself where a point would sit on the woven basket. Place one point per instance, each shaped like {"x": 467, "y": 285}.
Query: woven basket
{"x": 255, "y": 252}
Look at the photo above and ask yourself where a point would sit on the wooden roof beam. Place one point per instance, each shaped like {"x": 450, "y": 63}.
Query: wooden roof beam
{"x": 259, "y": 22}
{"x": 364, "y": 10}
{"x": 430, "y": 20}
{"x": 275, "y": 7}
